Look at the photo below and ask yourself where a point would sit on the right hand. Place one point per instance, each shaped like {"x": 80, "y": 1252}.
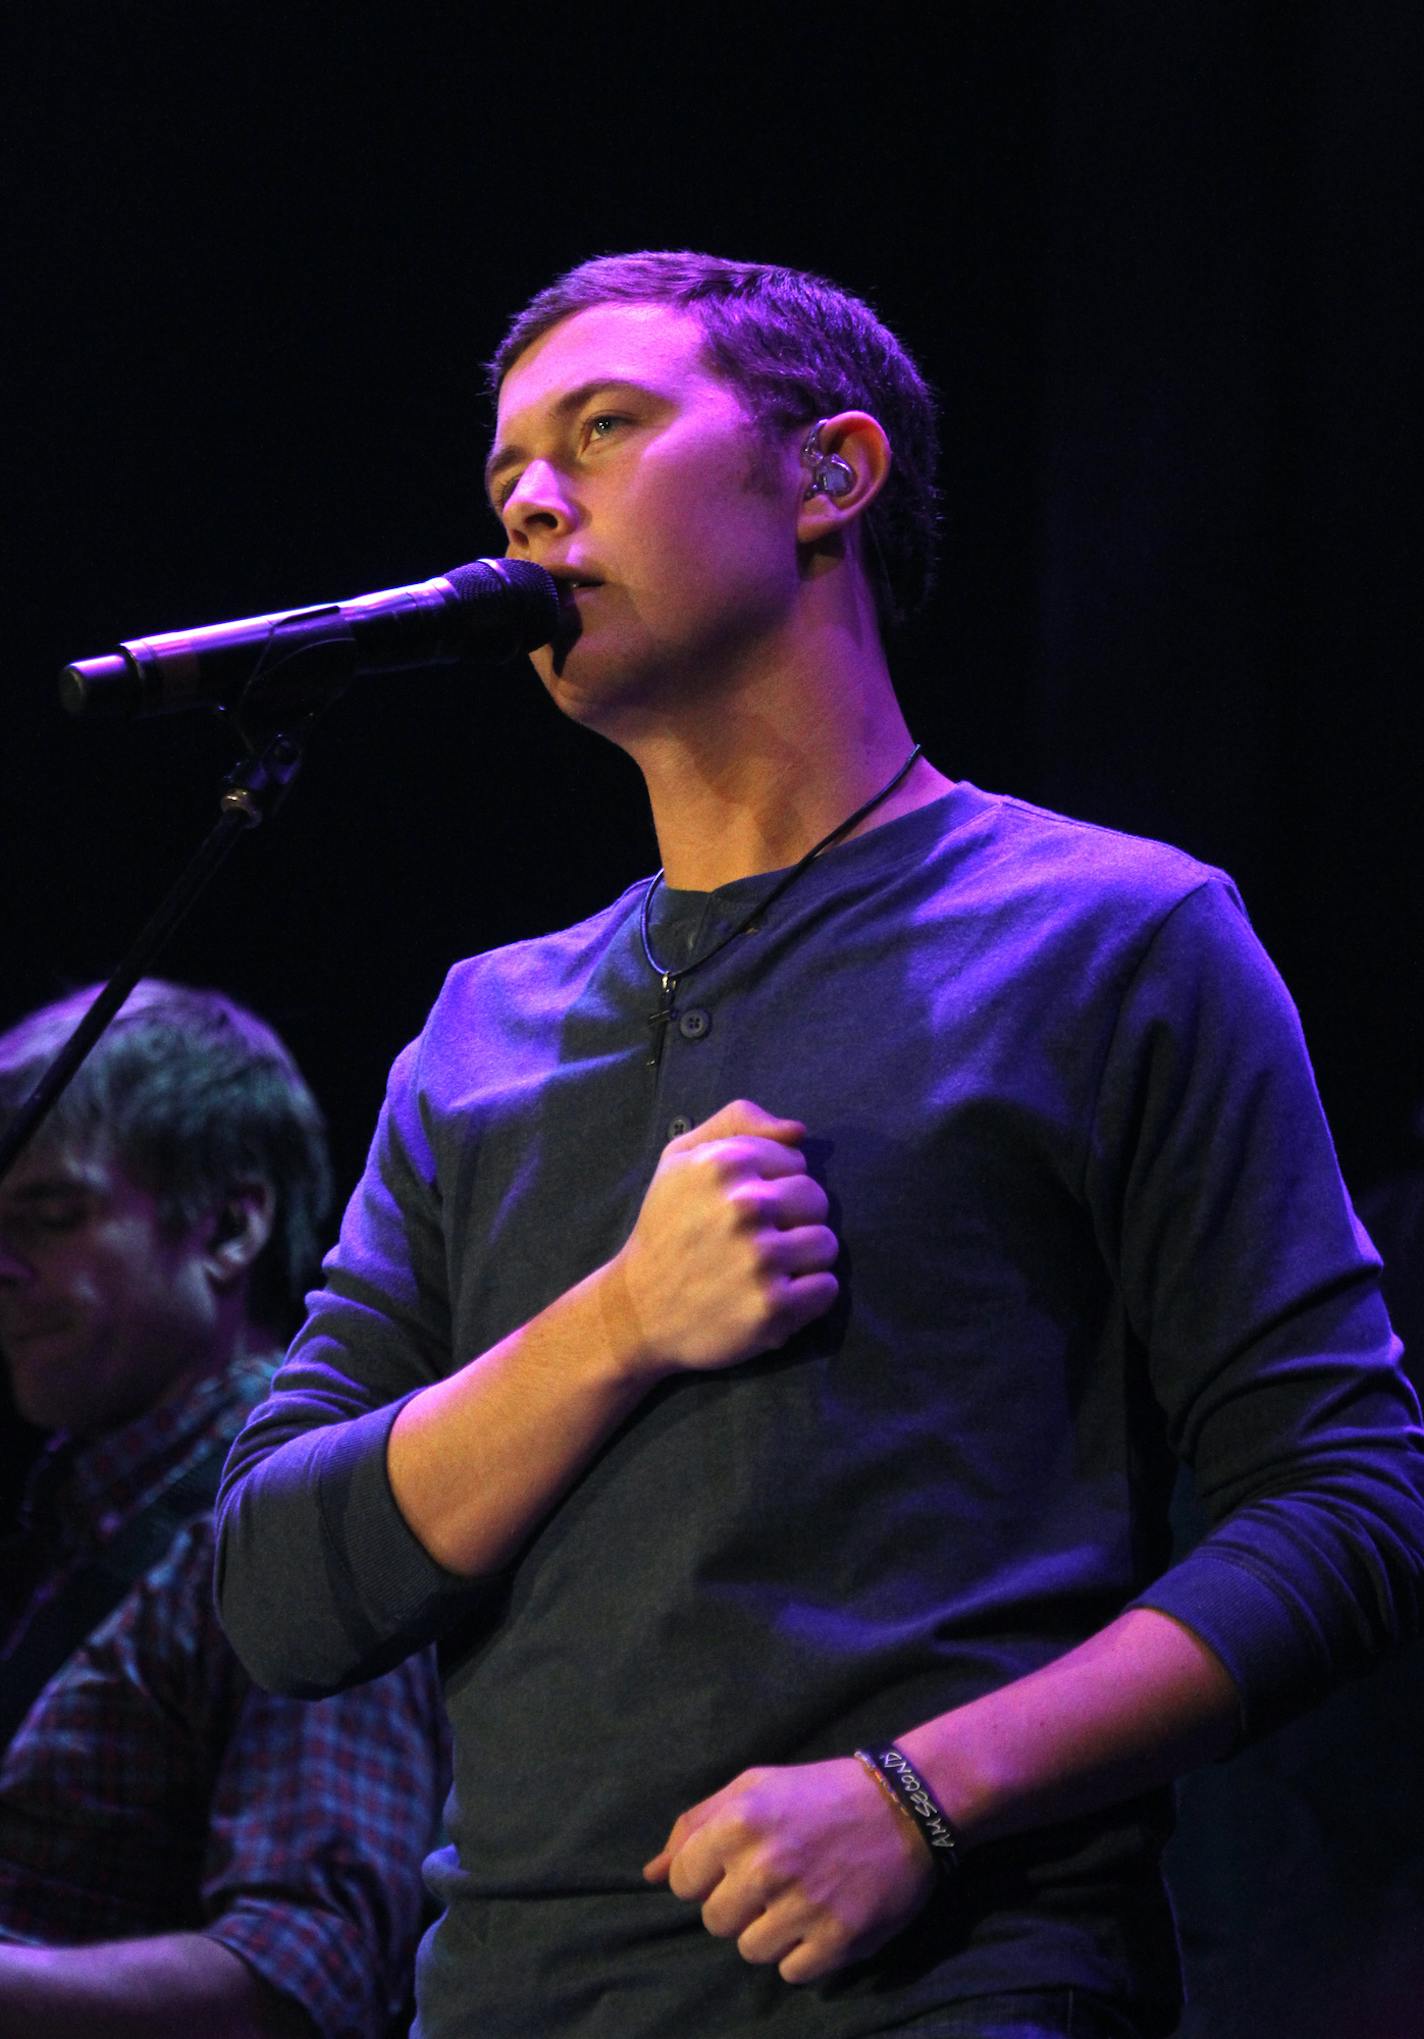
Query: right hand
{"x": 730, "y": 1255}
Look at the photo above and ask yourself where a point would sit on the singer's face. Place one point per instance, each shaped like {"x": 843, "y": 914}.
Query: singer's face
{"x": 630, "y": 470}
{"x": 102, "y": 1309}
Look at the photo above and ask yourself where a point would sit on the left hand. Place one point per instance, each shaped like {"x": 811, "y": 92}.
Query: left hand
{"x": 808, "y": 1866}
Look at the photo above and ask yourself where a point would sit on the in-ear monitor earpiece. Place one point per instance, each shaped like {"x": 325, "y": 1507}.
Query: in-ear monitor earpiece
{"x": 830, "y": 475}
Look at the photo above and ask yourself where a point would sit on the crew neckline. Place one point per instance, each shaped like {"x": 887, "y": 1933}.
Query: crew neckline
{"x": 888, "y": 841}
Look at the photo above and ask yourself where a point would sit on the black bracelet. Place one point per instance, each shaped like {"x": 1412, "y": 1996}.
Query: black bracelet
{"x": 912, "y": 1794}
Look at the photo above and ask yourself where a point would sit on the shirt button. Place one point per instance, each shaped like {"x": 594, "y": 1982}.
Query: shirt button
{"x": 676, "y": 1127}
{"x": 694, "y": 1023}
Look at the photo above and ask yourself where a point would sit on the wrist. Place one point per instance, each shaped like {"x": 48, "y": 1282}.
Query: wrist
{"x": 951, "y": 1766}
{"x": 903, "y": 1783}
{"x": 626, "y": 1349}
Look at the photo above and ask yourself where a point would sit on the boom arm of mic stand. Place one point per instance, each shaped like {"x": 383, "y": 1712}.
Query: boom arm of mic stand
{"x": 249, "y": 793}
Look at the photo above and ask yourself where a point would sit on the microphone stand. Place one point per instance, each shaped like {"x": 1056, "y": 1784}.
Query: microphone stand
{"x": 250, "y": 792}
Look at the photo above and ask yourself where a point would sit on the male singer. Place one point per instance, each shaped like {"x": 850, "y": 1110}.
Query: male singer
{"x": 759, "y": 1344}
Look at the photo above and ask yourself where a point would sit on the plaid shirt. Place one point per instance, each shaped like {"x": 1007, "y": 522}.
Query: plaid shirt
{"x": 152, "y": 1788}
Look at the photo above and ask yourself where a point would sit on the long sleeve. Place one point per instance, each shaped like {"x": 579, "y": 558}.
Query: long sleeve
{"x": 319, "y": 1581}
{"x": 1255, "y": 1295}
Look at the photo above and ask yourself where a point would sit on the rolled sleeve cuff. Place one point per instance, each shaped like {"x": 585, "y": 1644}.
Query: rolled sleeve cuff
{"x": 1265, "y": 1633}
{"x": 314, "y": 1959}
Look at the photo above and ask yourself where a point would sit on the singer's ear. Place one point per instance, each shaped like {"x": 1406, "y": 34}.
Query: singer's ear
{"x": 844, "y": 465}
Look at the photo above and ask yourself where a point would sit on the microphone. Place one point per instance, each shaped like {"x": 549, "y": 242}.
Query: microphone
{"x": 493, "y": 608}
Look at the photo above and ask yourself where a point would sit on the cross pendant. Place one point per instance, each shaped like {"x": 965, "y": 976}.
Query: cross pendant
{"x": 660, "y": 1020}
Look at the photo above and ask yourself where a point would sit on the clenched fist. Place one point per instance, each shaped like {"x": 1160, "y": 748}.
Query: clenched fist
{"x": 807, "y": 1868}
{"x": 731, "y": 1254}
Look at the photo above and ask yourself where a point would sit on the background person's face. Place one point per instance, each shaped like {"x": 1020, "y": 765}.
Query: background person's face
{"x": 101, "y": 1310}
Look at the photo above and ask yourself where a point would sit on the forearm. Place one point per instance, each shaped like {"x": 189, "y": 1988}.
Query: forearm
{"x": 166, "y": 1987}
{"x": 1128, "y": 1710}
{"x": 729, "y": 1258}
{"x": 812, "y": 1867}
{"x": 476, "y": 1461}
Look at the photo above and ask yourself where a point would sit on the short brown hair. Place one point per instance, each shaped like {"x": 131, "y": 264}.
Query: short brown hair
{"x": 796, "y": 347}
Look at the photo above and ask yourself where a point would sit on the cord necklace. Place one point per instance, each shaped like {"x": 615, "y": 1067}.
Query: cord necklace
{"x": 670, "y": 978}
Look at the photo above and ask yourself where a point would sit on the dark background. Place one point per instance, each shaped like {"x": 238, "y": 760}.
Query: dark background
{"x": 1162, "y": 262}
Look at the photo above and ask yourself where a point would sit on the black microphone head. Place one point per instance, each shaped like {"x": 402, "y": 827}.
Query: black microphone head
{"x": 516, "y": 589}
